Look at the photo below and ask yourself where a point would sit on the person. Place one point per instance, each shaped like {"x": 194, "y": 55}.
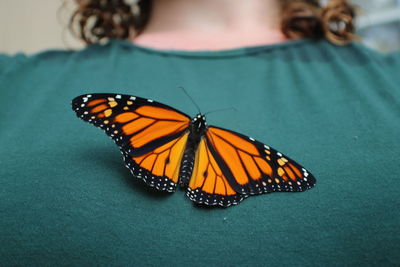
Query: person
{"x": 215, "y": 24}
{"x": 299, "y": 81}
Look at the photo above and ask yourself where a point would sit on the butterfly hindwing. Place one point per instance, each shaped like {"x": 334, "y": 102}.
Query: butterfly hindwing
{"x": 159, "y": 168}
{"x": 152, "y": 136}
{"x": 208, "y": 183}
{"x": 252, "y": 167}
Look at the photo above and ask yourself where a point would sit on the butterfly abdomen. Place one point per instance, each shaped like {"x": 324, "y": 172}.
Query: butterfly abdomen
{"x": 186, "y": 168}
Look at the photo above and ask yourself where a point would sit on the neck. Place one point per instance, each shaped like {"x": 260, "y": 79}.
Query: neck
{"x": 211, "y": 24}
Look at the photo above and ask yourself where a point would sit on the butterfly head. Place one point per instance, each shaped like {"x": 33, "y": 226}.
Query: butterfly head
{"x": 199, "y": 123}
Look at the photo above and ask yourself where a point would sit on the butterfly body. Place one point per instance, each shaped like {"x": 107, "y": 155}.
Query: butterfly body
{"x": 166, "y": 148}
{"x": 197, "y": 128}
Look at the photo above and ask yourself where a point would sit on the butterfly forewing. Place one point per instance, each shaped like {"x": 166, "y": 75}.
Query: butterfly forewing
{"x": 152, "y": 136}
{"x": 252, "y": 167}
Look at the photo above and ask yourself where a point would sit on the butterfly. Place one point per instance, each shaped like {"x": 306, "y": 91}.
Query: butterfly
{"x": 167, "y": 148}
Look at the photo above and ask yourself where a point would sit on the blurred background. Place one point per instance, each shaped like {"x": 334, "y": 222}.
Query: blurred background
{"x": 379, "y": 24}
{"x": 30, "y": 26}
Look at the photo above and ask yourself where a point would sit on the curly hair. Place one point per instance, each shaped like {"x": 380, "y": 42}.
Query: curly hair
{"x": 95, "y": 21}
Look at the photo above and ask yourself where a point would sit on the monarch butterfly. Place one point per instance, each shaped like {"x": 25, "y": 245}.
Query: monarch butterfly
{"x": 167, "y": 148}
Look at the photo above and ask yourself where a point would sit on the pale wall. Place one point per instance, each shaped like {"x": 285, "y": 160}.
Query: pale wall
{"x": 32, "y": 25}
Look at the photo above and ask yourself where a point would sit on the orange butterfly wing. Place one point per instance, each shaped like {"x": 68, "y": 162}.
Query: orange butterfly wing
{"x": 244, "y": 166}
{"x": 208, "y": 183}
{"x": 152, "y": 136}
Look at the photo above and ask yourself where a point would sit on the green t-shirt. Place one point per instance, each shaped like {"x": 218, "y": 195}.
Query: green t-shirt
{"x": 66, "y": 197}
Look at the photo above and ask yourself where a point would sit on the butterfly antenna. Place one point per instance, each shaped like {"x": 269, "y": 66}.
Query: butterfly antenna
{"x": 191, "y": 99}
{"x": 221, "y": 109}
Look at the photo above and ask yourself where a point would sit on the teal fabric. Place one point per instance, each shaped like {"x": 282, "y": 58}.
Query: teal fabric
{"x": 66, "y": 197}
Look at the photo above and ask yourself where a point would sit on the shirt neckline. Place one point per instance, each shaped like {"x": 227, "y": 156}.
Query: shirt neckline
{"x": 213, "y": 53}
